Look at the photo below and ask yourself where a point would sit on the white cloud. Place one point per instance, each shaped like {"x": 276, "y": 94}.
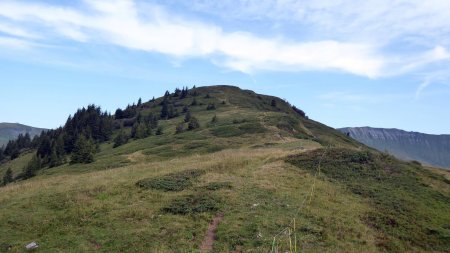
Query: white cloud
{"x": 150, "y": 28}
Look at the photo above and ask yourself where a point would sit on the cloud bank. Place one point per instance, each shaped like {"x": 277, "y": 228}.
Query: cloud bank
{"x": 152, "y": 28}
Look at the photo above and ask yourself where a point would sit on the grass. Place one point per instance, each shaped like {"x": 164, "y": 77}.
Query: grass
{"x": 237, "y": 166}
{"x": 406, "y": 212}
{"x": 195, "y": 203}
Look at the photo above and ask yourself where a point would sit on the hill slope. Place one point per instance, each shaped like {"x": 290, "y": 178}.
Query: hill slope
{"x": 10, "y": 131}
{"x": 426, "y": 148}
{"x": 280, "y": 180}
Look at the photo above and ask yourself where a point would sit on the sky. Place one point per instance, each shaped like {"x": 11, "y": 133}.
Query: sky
{"x": 379, "y": 63}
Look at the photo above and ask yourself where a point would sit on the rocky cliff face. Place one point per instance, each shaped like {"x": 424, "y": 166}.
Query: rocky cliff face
{"x": 426, "y": 148}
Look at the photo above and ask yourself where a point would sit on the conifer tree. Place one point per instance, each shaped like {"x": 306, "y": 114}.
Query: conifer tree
{"x": 214, "y": 119}
{"x": 2, "y": 156}
{"x": 187, "y": 117}
{"x": 165, "y": 109}
{"x": 185, "y": 109}
{"x": 139, "y": 103}
{"x": 83, "y": 151}
{"x": 159, "y": 131}
{"x": 193, "y": 124}
{"x": 179, "y": 128}
{"x": 32, "y": 167}
{"x": 8, "y": 177}
{"x": 194, "y": 102}
{"x": 273, "y": 103}
{"x": 120, "y": 139}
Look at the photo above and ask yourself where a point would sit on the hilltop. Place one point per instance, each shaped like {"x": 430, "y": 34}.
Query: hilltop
{"x": 10, "y": 131}
{"x": 156, "y": 173}
{"x": 426, "y": 148}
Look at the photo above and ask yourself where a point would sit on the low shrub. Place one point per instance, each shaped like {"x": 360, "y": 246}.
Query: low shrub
{"x": 214, "y": 186}
{"x": 171, "y": 182}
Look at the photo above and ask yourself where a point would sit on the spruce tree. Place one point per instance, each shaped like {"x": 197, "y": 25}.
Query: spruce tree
{"x": 165, "y": 109}
{"x": 193, "y": 123}
{"x": 179, "y": 128}
{"x": 187, "y": 117}
{"x": 139, "y": 103}
{"x": 32, "y": 167}
{"x": 2, "y": 156}
{"x": 273, "y": 103}
{"x": 8, "y": 177}
{"x": 120, "y": 139}
{"x": 83, "y": 151}
{"x": 214, "y": 119}
{"x": 159, "y": 131}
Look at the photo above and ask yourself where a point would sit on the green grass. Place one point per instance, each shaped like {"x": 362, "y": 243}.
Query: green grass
{"x": 159, "y": 194}
{"x": 406, "y": 211}
{"x": 196, "y": 203}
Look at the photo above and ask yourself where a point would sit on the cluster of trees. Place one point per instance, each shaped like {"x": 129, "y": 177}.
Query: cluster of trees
{"x": 14, "y": 147}
{"x": 78, "y": 140}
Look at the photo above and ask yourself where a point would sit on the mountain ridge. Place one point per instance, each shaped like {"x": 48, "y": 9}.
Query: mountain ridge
{"x": 430, "y": 149}
{"x": 10, "y": 131}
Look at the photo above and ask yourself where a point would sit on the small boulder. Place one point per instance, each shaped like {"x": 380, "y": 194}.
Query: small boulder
{"x": 32, "y": 246}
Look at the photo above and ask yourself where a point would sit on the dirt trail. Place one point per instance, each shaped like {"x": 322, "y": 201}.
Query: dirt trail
{"x": 208, "y": 241}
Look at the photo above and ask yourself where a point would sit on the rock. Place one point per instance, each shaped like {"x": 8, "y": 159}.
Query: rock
{"x": 31, "y": 246}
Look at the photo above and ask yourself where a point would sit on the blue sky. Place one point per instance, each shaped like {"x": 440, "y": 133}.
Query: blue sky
{"x": 376, "y": 63}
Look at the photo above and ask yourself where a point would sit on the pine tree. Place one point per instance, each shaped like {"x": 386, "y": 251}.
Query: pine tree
{"x": 152, "y": 120}
{"x": 184, "y": 93}
{"x": 139, "y": 103}
{"x": 273, "y": 103}
{"x": 120, "y": 139}
{"x": 83, "y": 151}
{"x": 193, "y": 124}
{"x": 194, "y": 102}
{"x": 187, "y": 117}
{"x": 159, "y": 131}
{"x": 214, "y": 119}
{"x": 177, "y": 92}
{"x": 179, "y": 128}
{"x": 32, "y": 167}
{"x": 8, "y": 177}
{"x": 119, "y": 114}
{"x": 2, "y": 155}
{"x": 165, "y": 109}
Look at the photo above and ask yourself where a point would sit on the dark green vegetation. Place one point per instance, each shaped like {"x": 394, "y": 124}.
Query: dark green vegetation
{"x": 425, "y": 148}
{"x": 151, "y": 177}
{"x": 171, "y": 182}
{"x": 405, "y": 210}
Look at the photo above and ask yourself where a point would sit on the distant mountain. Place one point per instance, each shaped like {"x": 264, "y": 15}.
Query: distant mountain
{"x": 10, "y": 131}
{"x": 425, "y": 148}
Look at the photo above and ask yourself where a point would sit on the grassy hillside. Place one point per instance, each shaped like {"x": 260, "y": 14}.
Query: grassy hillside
{"x": 281, "y": 181}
